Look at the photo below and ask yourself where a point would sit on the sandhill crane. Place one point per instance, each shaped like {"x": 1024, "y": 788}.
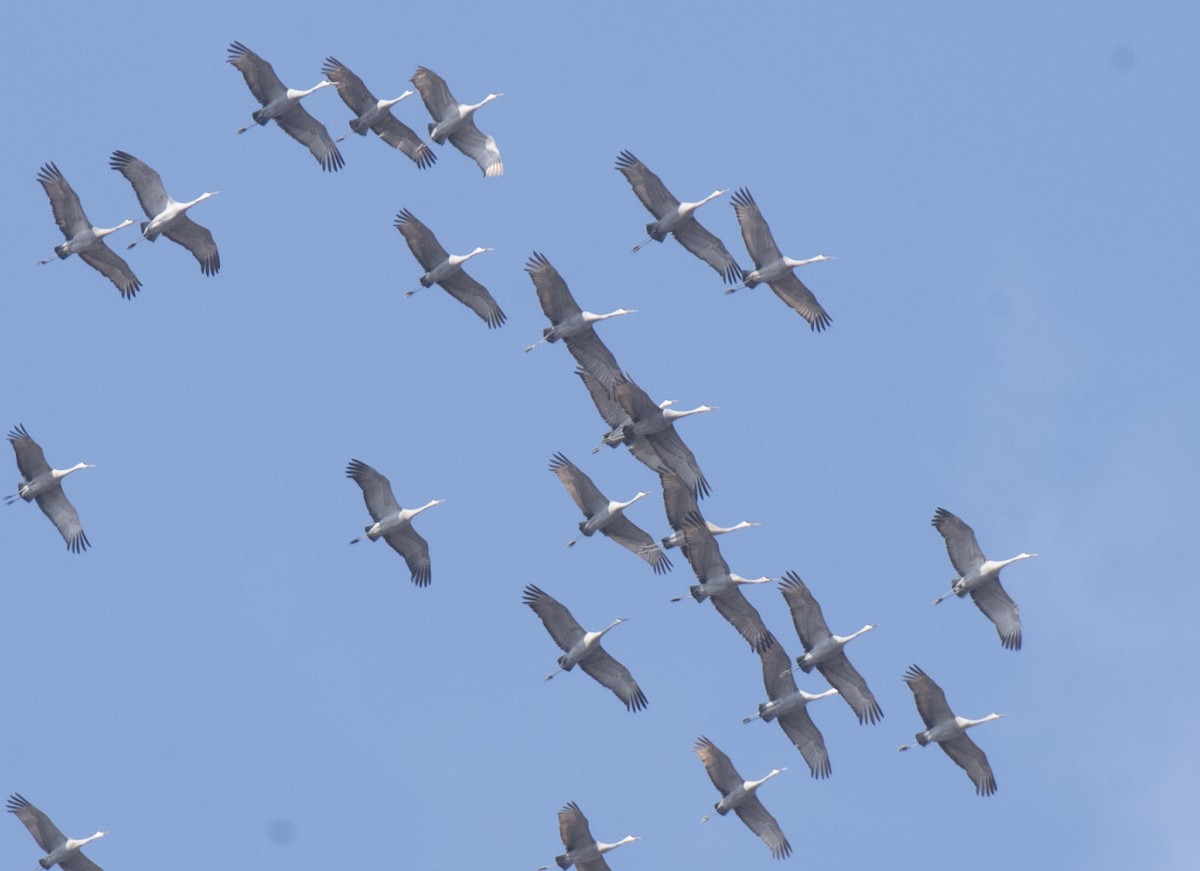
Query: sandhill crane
{"x": 445, "y": 270}
{"x": 721, "y": 585}
{"x": 606, "y": 516}
{"x": 676, "y": 218}
{"x": 616, "y": 417}
{"x": 740, "y": 796}
{"x": 980, "y": 577}
{"x": 583, "y": 851}
{"x": 82, "y": 238}
{"x": 456, "y": 121}
{"x": 583, "y": 648}
{"x": 656, "y": 424}
{"x": 824, "y": 650}
{"x": 375, "y": 114}
{"x": 392, "y": 523}
{"x": 283, "y": 104}
{"x": 772, "y": 267}
{"x": 788, "y": 706}
{"x": 168, "y": 217}
{"x": 45, "y": 485}
{"x": 60, "y": 850}
{"x": 949, "y": 730}
{"x": 571, "y": 323}
{"x": 679, "y": 501}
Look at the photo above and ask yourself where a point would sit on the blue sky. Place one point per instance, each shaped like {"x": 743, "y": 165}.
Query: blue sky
{"x": 1010, "y": 195}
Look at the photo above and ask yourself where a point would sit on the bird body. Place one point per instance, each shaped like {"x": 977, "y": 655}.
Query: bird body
{"x": 392, "y": 523}
{"x": 788, "y": 706}
{"x": 583, "y": 851}
{"x": 373, "y": 113}
{"x": 948, "y": 730}
{"x": 655, "y": 425}
{"x": 168, "y": 217}
{"x": 44, "y": 484}
{"x": 825, "y": 651}
{"x": 980, "y": 577}
{"x": 60, "y": 850}
{"x": 282, "y": 104}
{"x": 680, "y": 503}
{"x": 740, "y": 795}
{"x": 583, "y": 648}
{"x": 81, "y": 236}
{"x": 445, "y": 269}
{"x": 677, "y": 218}
{"x": 772, "y": 267}
{"x": 455, "y": 121}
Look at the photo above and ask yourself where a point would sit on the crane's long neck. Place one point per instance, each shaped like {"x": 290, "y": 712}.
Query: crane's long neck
{"x": 427, "y": 505}
{"x": 183, "y": 207}
{"x": 752, "y": 785}
{"x": 688, "y": 208}
{"x": 846, "y": 639}
{"x": 794, "y": 263}
{"x": 604, "y": 848}
{"x": 592, "y": 317}
{"x": 621, "y": 506}
{"x": 738, "y": 579}
{"x": 295, "y": 95}
{"x": 722, "y": 530}
{"x": 1002, "y": 563}
{"x": 466, "y": 111}
{"x": 964, "y": 723}
{"x": 102, "y": 232}
{"x": 62, "y": 473}
{"x": 460, "y": 259}
{"x": 672, "y": 414}
{"x": 75, "y": 844}
{"x": 387, "y": 104}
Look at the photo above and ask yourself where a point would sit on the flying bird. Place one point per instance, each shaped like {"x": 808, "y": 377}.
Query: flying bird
{"x": 283, "y": 104}
{"x": 445, "y": 270}
{"x": 788, "y": 706}
{"x": 456, "y": 121}
{"x": 672, "y": 216}
{"x": 605, "y": 516}
{"x": 824, "y": 651}
{"x": 949, "y": 730}
{"x": 741, "y": 797}
{"x": 60, "y": 850}
{"x": 392, "y": 523}
{"x": 583, "y": 648}
{"x": 571, "y": 323}
{"x": 772, "y": 267}
{"x": 656, "y": 425}
{"x": 679, "y": 501}
{"x": 372, "y": 113}
{"x": 616, "y": 418}
{"x": 45, "y": 485}
{"x": 980, "y": 577}
{"x": 583, "y": 851}
{"x": 82, "y": 238}
{"x": 721, "y": 586}
{"x": 168, "y": 217}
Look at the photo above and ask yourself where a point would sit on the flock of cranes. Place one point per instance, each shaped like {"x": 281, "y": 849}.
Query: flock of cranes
{"x": 645, "y": 427}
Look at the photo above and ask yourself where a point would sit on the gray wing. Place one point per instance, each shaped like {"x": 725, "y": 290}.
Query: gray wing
{"x": 678, "y": 457}
{"x": 31, "y": 461}
{"x": 679, "y": 500}
{"x": 632, "y": 537}
{"x": 701, "y": 549}
{"x": 55, "y": 505}
{"x": 608, "y": 672}
{"x": 845, "y": 678}
{"x": 800, "y": 299}
{"x": 552, "y": 292}
{"x": 634, "y": 400}
{"x": 720, "y": 769}
{"x": 597, "y": 864}
{"x": 755, "y": 232}
{"x": 580, "y": 487}
{"x": 1001, "y": 610}
{"x": 744, "y": 617}
{"x": 407, "y": 542}
{"x": 259, "y": 75}
{"x": 421, "y": 241}
{"x": 112, "y": 266}
{"x": 197, "y": 239}
{"x": 759, "y": 820}
{"x": 573, "y": 827}
{"x": 479, "y": 147}
{"x": 695, "y": 238}
{"x": 929, "y": 697}
{"x": 559, "y": 622}
{"x": 974, "y": 761}
{"x": 434, "y": 93}
{"x": 608, "y": 407}
{"x": 592, "y": 354}
{"x": 350, "y": 87}
{"x": 964, "y": 550}
{"x": 47, "y": 835}
{"x": 803, "y": 732}
{"x": 474, "y": 296}
{"x": 401, "y": 136}
{"x": 79, "y": 862}
{"x": 64, "y": 202}
{"x": 649, "y": 187}
{"x": 806, "y": 612}
{"x": 146, "y": 181}
{"x": 377, "y": 490}
{"x": 311, "y": 133}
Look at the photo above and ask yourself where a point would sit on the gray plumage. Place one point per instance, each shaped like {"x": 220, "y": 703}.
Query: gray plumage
{"x": 456, "y": 121}
{"x": 740, "y": 796}
{"x": 612, "y": 413}
{"x": 788, "y": 706}
{"x": 44, "y": 484}
{"x": 672, "y": 216}
{"x": 445, "y": 269}
{"x": 82, "y": 238}
{"x": 371, "y": 113}
{"x": 679, "y": 501}
{"x": 656, "y": 425}
{"x": 392, "y": 523}
{"x": 60, "y": 850}
{"x": 583, "y": 851}
{"x": 824, "y": 651}
{"x": 583, "y": 648}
